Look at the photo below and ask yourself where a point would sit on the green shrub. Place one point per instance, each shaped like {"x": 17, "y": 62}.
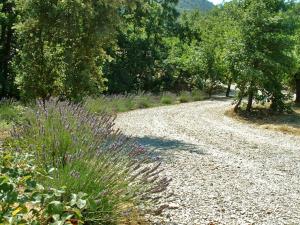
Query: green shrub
{"x": 90, "y": 156}
{"x": 10, "y": 111}
{"x": 99, "y": 105}
{"x": 168, "y": 99}
{"x": 143, "y": 101}
{"x": 110, "y": 104}
{"x": 198, "y": 95}
{"x": 184, "y": 97}
{"x": 124, "y": 104}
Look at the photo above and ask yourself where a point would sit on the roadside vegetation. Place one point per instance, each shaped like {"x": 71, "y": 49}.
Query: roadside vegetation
{"x": 66, "y": 156}
{"x": 11, "y": 114}
{"x": 123, "y": 103}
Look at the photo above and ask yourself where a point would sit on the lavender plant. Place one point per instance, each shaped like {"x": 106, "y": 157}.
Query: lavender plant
{"x": 86, "y": 154}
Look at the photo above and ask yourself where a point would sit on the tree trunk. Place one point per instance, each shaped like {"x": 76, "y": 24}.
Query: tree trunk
{"x": 236, "y": 107}
{"x": 228, "y": 89}
{"x": 6, "y": 52}
{"x": 250, "y": 100}
{"x": 298, "y": 90}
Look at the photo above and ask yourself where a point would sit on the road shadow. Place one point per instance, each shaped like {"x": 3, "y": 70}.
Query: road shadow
{"x": 160, "y": 146}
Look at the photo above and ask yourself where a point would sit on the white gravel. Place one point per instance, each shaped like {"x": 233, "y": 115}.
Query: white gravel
{"x": 224, "y": 171}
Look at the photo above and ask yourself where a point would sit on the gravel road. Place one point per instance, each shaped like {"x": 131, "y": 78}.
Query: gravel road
{"x": 224, "y": 171}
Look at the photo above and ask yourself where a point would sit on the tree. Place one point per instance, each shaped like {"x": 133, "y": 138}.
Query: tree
{"x": 61, "y": 46}
{"x": 212, "y": 35}
{"x": 137, "y": 60}
{"x": 294, "y": 77}
{"x": 185, "y": 59}
{"x": 7, "y": 48}
{"x": 265, "y": 43}
{"x": 194, "y": 56}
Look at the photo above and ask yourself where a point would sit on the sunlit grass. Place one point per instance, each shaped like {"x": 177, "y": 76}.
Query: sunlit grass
{"x": 10, "y": 114}
{"x": 124, "y": 103}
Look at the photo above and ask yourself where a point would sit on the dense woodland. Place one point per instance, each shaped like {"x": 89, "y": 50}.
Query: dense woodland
{"x": 73, "y": 49}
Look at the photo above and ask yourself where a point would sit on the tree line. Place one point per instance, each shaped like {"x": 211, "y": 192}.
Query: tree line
{"x": 72, "y": 49}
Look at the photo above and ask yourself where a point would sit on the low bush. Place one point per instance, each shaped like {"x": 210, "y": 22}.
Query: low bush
{"x": 143, "y": 101}
{"x": 198, "y": 95}
{"x": 10, "y": 112}
{"x": 110, "y": 104}
{"x": 168, "y": 99}
{"x": 89, "y": 156}
{"x": 24, "y": 201}
{"x": 184, "y": 97}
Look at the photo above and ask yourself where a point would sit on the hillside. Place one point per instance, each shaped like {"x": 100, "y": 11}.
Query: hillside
{"x": 203, "y": 5}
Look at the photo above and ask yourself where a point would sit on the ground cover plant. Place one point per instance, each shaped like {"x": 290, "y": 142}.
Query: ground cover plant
{"x": 83, "y": 153}
{"x": 25, "y": 201}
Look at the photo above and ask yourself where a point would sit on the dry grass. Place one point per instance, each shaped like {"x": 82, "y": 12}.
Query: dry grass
{"x": 288, "y": 123}
{"x": 4, "y": 134}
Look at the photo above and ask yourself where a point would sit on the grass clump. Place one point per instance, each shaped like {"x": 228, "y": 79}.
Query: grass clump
{"x": 10, "y": 114}
{"x": 10, "y": 111}
{"x": 143, "y": 101}
{"x": 85, "y": 154}
{"x": 198, "y": 95}
{"x": 184, "y": 97}
{"x": 168, "y": 99}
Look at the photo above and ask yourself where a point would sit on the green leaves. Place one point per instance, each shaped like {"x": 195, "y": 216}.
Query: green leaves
{"x": 61, "y": 51}
{"x": 77, "y": 200}
{"x": 23, "y": 201}
{"x": 55, "y": 207}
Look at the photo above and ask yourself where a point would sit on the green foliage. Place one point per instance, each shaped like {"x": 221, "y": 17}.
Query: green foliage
{"x": 265, "y": 42}
{"x": 293, "y": 78}
{"x": 124, "y": 103}
{"x": 147, "y": 45}
{"x": 7, "y": 48}
{"x": 198, "y": 95}
{"x": 11, "y": 114}
{"x": 85, "y": 154}
{"x": 137, "y": 60}
{"x": 143, "y": 101}
{"x": 61, "y": 51}
{"x": 184, "y": 97}
{"x": 193, "y": 56}
{"x": 110, "y": 104}
{"x": 10, "y": 111}
{"x": 168, "y": 98}
{"x": 24, "y": 201}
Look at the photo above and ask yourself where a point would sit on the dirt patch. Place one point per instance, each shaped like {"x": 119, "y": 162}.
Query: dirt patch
{"x": 3, "y": 135}
{"x": 288, "y": 123}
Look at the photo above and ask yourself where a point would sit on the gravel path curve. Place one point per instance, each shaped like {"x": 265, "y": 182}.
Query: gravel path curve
{"x": 224, "y": 171}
